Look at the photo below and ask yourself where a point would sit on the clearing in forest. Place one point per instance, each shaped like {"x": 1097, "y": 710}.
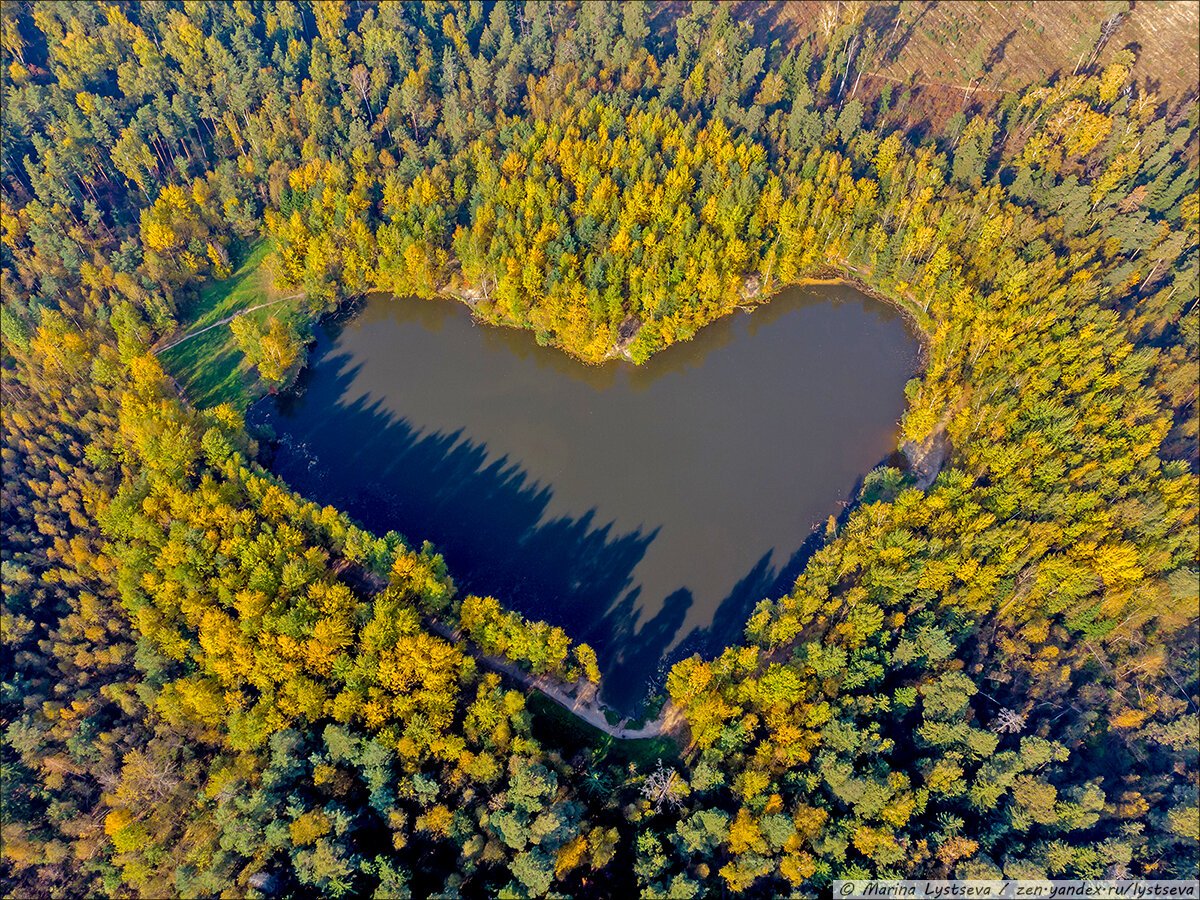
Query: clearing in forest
{"x": 203, "y": 356}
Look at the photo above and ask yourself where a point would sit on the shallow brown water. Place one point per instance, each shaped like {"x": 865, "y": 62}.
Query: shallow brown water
{"x": 646, "y": 510}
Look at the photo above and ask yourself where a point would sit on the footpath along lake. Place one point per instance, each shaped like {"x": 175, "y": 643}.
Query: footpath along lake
{"x": 645, "y": 510}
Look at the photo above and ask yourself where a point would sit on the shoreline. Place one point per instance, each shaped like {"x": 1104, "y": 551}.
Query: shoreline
{"x": 590, "y": 710}
{"x": 825, "y": 276}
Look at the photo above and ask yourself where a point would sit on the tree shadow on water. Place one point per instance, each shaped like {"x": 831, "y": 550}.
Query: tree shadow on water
{"x": 490, "y": 518}
{"x": 766, "y": 581}
{"x": 636, "y": 656}
{"x": 486, "y": 515}
{"x": 763, "y": 580}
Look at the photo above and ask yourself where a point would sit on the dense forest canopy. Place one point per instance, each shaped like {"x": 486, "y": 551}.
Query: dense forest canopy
{"x": 212, "y": 686}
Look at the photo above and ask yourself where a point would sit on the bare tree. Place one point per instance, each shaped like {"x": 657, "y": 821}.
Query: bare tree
{"x": 663, "y": 788}
{"x": 360, "y": 78}
{"x": 1009, "y": 722}
{"x": 1107, "y": 30}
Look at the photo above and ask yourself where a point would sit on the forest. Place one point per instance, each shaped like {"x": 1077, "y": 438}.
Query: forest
{"x": 212, "y": 686}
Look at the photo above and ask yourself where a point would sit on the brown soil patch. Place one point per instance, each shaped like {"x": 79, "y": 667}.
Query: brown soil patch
{"x": 997, "y": 46}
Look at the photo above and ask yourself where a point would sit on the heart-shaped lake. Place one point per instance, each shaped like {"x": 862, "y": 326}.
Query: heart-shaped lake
{"x": 646, "y": 510}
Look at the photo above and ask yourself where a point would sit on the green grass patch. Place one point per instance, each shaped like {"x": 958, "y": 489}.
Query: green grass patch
{"x": 248, "y": 286}
{"x": 556, "y": 727}
{"x": 209, "y": 367}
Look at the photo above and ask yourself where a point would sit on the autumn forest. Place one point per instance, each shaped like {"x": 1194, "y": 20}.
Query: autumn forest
{"x": 988, "y": 663}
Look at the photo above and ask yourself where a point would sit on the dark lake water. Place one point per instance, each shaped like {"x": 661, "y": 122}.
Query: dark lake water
{"x": 646, "y": 510}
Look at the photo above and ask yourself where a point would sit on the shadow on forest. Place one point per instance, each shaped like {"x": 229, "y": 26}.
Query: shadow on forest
{"x": 488, "y": 517}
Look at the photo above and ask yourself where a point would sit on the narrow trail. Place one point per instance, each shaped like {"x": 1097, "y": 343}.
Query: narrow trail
{"x": 224, "y": 321}
{"x": 580, "y": 699}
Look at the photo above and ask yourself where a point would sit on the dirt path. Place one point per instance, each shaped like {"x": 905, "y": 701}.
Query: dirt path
{"x": 224, "y": 321}
{"x": 580, "y": 699}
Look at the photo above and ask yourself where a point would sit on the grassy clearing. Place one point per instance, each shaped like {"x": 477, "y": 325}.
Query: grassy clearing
{"x": 209, "y": 367}
{"x": 556, "y": 727}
